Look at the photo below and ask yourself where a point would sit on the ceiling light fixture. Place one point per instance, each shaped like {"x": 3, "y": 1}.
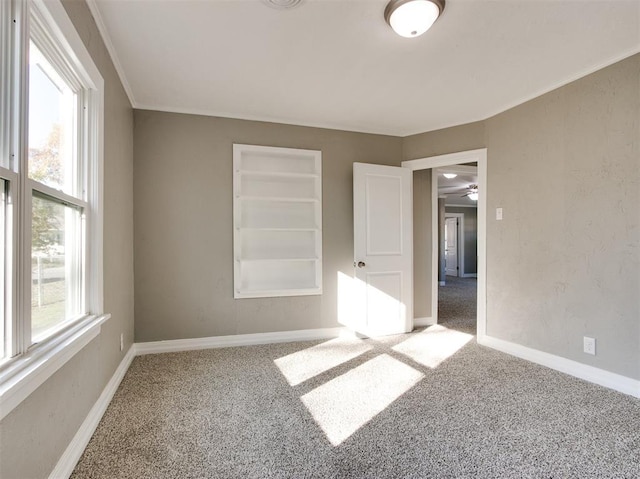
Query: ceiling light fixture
{"x": 411, "y": 18}
{"x": 282, "y": 4}
{"x": 449, "y": 176}
{"x": 472, "y": 193}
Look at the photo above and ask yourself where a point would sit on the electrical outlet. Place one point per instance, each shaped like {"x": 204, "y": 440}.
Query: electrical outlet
{"x": 498, "y": 214}
{"x": 589, "y": 345}
{"x": 121, "y": 341}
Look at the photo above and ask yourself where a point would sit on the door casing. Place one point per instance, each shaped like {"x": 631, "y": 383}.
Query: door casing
{"x": 480, "y": 157}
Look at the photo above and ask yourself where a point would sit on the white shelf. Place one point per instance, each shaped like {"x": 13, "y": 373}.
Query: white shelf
{"x": 277, "y": 160}
{"x": 292, "y": 199}
{"x": 277, "y": 221}
{"x": 277, "y": 276}
{"x": 267, "y": 293}
{"x": 276, "y": 229}
{"x": 281, "y": 174}
{"x": 274, "y": 260}
{"x": 281, "y": 215}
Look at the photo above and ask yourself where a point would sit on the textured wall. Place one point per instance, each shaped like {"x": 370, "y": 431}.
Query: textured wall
{"x": 422, "y": 244}
{"x": 440, "y": 142}
{"x": 565, "y": 261}
{"x": 183, "y": 224}
{"x": 36, "y": 433}
{"x": 470, "y": 237}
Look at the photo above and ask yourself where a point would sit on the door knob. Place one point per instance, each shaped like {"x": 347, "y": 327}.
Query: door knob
{"x": 361, "y": 264}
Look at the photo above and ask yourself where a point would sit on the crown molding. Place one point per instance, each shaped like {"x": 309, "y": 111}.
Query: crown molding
{"x": 106, "y": 38}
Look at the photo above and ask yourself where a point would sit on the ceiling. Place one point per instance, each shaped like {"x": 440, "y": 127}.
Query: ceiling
{"x": 337, "y": 64}
{"x": 454, "y": 189}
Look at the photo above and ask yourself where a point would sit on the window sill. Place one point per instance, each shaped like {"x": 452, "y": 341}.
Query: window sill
{"x": 29, "y": 371}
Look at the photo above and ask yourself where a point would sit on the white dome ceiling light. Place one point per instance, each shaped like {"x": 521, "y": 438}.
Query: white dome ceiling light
{"x": 411, "y": 18}
{"x": 282, "y": 4}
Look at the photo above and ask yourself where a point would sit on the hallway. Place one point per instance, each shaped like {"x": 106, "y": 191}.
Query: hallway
{"x": 457, "y": 304}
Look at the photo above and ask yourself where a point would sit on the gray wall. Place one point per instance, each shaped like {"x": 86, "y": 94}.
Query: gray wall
{"x": 470, "y": 237}
{"x": 36, "y": 433}
{"x": 422, "y": 244}
{"x": 439, "y": 142}
{"x": 564, "y": 263}
{"x": 183, "y": 224}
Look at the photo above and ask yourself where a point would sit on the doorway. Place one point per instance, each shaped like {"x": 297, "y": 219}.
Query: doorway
{"x": 457, "y": 294}
{"x": 454, "y": 244}
{"x": 432, "y": 163}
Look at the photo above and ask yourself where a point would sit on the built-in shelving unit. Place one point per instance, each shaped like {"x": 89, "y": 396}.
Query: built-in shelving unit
{"x": 277, "y": 215}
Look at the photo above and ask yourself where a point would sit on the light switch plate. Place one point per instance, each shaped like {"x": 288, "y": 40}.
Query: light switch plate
{"x": 498, "y": 214}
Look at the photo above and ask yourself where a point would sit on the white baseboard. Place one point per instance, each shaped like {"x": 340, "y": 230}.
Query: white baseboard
{"x": 176, "y": 345}
{"x": 420, "y": 322}
{"x": 72, "y": 454}
{"x": 592, "y": 374}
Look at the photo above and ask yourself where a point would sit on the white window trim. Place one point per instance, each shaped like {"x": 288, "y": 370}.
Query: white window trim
{"x": 32, "y": 369}
{"x": 23, "y": 374}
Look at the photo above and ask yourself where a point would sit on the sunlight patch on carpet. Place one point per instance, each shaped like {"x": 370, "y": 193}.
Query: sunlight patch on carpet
{"x": 348, "y": 402}
{"x": 433, "y": 345}
{"x": 308, "y": 363}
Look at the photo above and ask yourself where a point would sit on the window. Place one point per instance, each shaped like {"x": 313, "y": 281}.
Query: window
{"x": 51, "y": 98}
{"x": 54, "y": 167}
{"x": 56, "y": 267}
{"x": 3, "y": 269}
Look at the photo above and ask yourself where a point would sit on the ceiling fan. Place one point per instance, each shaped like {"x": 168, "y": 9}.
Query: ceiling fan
{"x": 472, "y": 193}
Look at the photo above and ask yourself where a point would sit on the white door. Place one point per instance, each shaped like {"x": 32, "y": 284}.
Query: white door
{"x": 451, "y": 246}
{"x": 383, "y": 249}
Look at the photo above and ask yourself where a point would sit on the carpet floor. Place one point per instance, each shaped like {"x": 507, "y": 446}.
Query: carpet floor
{"x": 457, "y": 301}
{"x": 430, "y": 404}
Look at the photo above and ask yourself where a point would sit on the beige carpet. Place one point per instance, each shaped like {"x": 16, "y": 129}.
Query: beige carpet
{"x": 432, "y": 404}
{"x": 457, "y": 304}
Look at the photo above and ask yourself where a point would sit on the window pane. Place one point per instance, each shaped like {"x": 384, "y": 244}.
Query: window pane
{"x": 52, "y": 119}
{"x": 3, "y": 265}
{"x": 55, "y": 266}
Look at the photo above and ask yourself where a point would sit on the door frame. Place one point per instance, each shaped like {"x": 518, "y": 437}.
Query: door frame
{"x": 459, "y": 240}
{"x": 430, "y": 163}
